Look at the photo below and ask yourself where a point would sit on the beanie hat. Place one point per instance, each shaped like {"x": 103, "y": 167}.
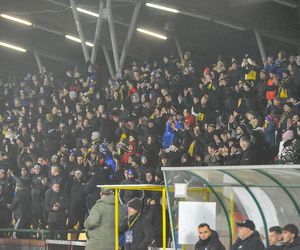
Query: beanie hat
{"x": 135, "y": 203}
{"x": 269, "y": 118}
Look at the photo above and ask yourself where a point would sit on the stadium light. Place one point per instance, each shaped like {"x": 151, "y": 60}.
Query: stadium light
{"x": 88, "y": 12}
{"x": 15, "y": 19}
{"x": 151, "y": 33}
{"x": 76, "y": 39}
{"x": 10, "y": 46}
{"x": 160, "y": 7}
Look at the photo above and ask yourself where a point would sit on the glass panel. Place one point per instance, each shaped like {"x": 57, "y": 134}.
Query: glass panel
{"x": 216, "y": 178}
{"x": 276, "y": 204}
{"x": 252, "y": 178}
{"x": 295, "y": 192}
{"x": 234, "y": 201}
{"x": 287, "y": 177}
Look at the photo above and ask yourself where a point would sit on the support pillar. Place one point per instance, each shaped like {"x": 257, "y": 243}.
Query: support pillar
{"x": 108, "y": 61}
{"x": 179, "y": 49}
{"x": 260, "y": 46}
{"x": 130, "y": 32}
{"x": 113, "y": 37}
{"x": 80, "y": 31}
{"x": 38, "y": 61}
{"x": 97, "y": 33}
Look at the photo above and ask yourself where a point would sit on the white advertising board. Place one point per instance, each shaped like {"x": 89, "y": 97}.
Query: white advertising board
{"x": 191, "y": 214}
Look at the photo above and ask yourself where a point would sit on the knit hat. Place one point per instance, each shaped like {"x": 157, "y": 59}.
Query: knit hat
{"x": 135, "y": 203}
{"x": 269, "y": 118}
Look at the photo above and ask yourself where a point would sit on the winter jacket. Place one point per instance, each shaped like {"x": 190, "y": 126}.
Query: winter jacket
{"x": 253, "y": 242}
{"x": 278, "y": 246}
{"x": 295, "y": 245}
{"x": 142, "y": 232}
{"x": 100, "y": 225}
{"x": 212, "y": 243}
{"x": 50, "y": 199}
{"x": 21, "y": 204}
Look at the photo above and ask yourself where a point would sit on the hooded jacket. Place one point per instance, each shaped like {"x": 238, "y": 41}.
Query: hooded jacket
{"x": 100, "y": 225}
{"x": 212, "y": 243}
{"x": 295, "y": 245}
{"x": 251, "y": 243}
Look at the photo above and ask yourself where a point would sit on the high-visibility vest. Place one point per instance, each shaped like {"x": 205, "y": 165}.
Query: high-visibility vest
{"x": 270, "y": 95}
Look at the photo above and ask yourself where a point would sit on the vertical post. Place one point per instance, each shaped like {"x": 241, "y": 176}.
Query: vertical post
{"x": 116, "y": 219}
{"x": 131, "y": 29}
{"x": 97, "y": 33}
{"x": 108, "y": 61}
{"x": 164, "y": 216}
{"x": 231, "y": 214}
{"x": 260, "y": 46}
{"x": 179, "y": 49}
{"x": 80, "y": 31}
{"x": 113, "y": 37}
{"x": 38, "y": 61}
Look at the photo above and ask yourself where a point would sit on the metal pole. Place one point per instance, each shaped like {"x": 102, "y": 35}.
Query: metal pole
{"x": 97, "y": 33}
{"x": 38, "y": 61}
{"x": 108, "y": 61}
{"x": 260, "y": 46}
{"x": 164, "y": 217}
{"x": 179, "y": 49}
{"x": 113, "y": 37}
{"x": 131, "y": 29}
{"x": 116, "y": 219}
{"x": 80, "y": 31}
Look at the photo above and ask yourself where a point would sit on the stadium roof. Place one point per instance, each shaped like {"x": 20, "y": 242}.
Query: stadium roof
{"x": 207, "y": 28}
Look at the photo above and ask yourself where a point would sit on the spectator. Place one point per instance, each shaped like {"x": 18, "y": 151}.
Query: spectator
{"x": 208, "y": 238}
{"x": 248, "y": 238}
{"x": 137, "y": 228}
{"x": 290, "y": 237}
{"x": 100, "y": 223}
{"x": 275, "y": 238}
{"x": 21, "y": 208}
{"x": 56, "y": 204}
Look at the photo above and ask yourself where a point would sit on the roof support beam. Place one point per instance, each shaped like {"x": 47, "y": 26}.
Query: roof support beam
{"x": 113, "y": 37}
{"x": 179, "y": 49}
{"x": 260, "y": 46}
{"x": 130, "y": 32}
{"x": 80, "y": 31}
{"x": 108, "y": 61}
{"x": 288, "y": 3}
{"x": 97, "y": 32}
{"x": 38, "y": 61}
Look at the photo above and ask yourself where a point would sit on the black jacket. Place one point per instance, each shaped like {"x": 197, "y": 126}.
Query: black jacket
{"x": 276, "y": 247}
{"x": 143, "y": 233}
{"x": 21, "y": 204}
{"x": 249, "y": 157}
{"x": 295, "y": 245}
{"x": 52, "y": 198}
{"x": 212, "y": 243}
{"x": 253, "y": 242}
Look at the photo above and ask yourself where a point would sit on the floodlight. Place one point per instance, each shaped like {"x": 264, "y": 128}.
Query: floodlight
{"x": 88, "y": 12}
{"x": 151, "y": 33}
{"x": 11, "y": 46}
{"x": 160, "y": 7}
{"x": 76, "y": 39}
{"x": 15, "y": 19}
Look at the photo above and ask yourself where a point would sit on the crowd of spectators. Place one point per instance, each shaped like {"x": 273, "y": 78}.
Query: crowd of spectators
{"x": 60, "y": 139}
